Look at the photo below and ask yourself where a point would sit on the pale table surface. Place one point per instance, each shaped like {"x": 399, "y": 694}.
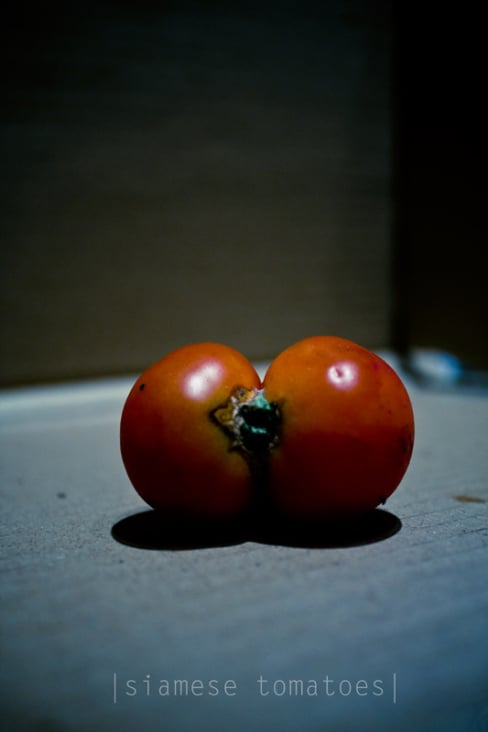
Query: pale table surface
{"x": 388, "y": 631}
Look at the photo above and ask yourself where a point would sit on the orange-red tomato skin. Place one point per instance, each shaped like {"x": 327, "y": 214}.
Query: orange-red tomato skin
{"x": 177, "y": 459}
{"x": 338, "y": 431}
{"x": 347, "y": 428}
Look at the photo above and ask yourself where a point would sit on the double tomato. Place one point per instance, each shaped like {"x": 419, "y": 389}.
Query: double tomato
{"x": 328, "y": 432}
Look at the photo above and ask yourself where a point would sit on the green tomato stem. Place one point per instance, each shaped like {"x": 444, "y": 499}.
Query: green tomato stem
{"x": 253, "y": 426}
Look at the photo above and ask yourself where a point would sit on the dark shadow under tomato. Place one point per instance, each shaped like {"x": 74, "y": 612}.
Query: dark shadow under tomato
{"x": 368, "y": 528}
{"x": 152, "y": 530}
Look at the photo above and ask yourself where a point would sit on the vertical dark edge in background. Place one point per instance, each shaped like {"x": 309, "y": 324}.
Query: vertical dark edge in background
{"x": 438, "y": 224}
{"x": 400, "y": 232}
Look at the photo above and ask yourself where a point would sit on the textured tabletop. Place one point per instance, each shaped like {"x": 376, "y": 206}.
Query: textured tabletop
{"x": 380, "y": 628}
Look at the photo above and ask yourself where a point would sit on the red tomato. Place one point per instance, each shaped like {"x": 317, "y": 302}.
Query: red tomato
{"x": 328, "y": 433}
{"x": 347, "y": 428}
{"x": 176, "y": 456}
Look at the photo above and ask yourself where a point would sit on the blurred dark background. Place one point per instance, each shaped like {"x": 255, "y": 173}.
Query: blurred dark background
{"x": 440, "y": 189}
{"x": 248, "y": 173}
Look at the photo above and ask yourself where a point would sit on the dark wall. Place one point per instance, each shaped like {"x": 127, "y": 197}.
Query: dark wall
{"x": 176, "y": 172}
{"x": 440, "y": 176}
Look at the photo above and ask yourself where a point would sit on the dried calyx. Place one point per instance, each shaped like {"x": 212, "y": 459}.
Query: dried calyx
{"x": 251, "y": 422}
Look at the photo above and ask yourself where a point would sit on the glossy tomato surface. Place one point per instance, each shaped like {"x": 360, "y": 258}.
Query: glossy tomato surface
{"x": 347, "y": 429}
{"x": 176, "y": 456}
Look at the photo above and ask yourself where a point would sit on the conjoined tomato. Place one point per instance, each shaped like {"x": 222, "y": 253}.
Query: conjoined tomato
{"x": 329, "y": 432}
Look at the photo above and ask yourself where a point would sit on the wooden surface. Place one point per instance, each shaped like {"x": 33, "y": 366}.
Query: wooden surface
{"x": 171, "y": 175}
{"x": 401, "y": 610}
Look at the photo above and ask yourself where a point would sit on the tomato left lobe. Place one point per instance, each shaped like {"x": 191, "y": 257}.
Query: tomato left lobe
{"x": 176, "y": 457}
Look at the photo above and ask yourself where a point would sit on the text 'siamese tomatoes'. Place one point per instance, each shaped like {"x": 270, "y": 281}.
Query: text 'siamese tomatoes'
{"x": 328, "y": 433}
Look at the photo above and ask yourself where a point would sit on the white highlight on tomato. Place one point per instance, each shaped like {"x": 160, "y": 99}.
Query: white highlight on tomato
{"x": 343, "y": 374}
{"x": 201, "y": 381}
